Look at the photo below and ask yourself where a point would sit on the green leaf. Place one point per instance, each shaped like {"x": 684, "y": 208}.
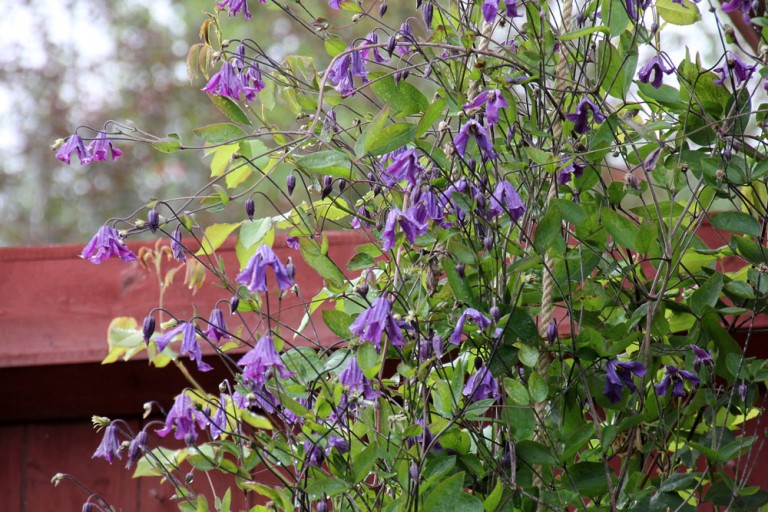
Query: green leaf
{"x": 445, "y": 496}
{"x": 572, "y": 212}
{"x": 737, "y": 222}
{"x": 614, "y": 13}
{"x": 538, "y": 387}
{"x": 706, "y": 295}
{"x": 548, "y": 230}
{"x": 677, "y": 14}
{"x": 375, "y": 126}
{"x": 329, "y": 162}
{"x": 230, "y": 109}
{"x": 363, "y": 462}
{"x": 590, "y": 478}
{"x": 535, "y": 453}
{"x": 390, "y": 138}
{"x": 361, "y": 261}
{"x": 459, "y": 285}
{"x": 304, "y": 363}
{"x": 528, "y": 355}
{"x": 334, "y": 45}
{"x": 577, "y": 440}
{"x": 253, "y": 232}
{"x": 325, "y": 267}
{"x": 338, "y": 322}
{"x": 168, "y": 144}
{"x": 403, "y": 98}
{"x": 433, "y": 113}
{"x": 623, "y": 231}
{"x": 219, "y": 133}
{"x": 215, "y": 235}
{"x": 369, "y": 360}
{"x": 516, "y": 392}
{"x": 576, "y": 34}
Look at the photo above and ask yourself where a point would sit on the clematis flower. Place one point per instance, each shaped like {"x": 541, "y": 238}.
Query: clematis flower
{"x": 676, "y": 377}
{"x": 619, "y": 375}
{"x": 427, "y": 207}
{"x": 352, "y": 378}
{"x": 217, "y": 328}
{"x": 642, "y": 5}
{"x": 334, "y": 4}
{"x": 370, "y": 39}
{"x": 225, "y": 82}
{"x": 424, "y": 439}
{"x": 340, "y": 74}
{"x": 176, "y": 248}
{"x": 182, "y": 419}
{"x": 408, "y": 224}
{"x": 477, "y": 317}
{"x": 570, "y": 171}
{"x": 337, "y": 443}
{"x": 702, "y": 357}
{"x": 493, "y": 101}
{"x": 260, "y": 362}
{"x": 163, "y": 340}
{"x": 654, "y": 72}
{"x": 313, "y": 454}
{"x": 235, "y": 6}
{"x": 481, "y": 386}
{"x": 404, "y": 166}
{"x": 733, "y": 64}
{"x": 363, "y": 215}
{"x": 739, "y": 5}
{"x": 105, "y": 244}
{"x": 109, "y": 448}
{"x": 293, "y": 243}
{"x": 375, "y": 321}
{"x": 511, "y": 8}
{"x": 649, "y": 164}
{"x": 190, "y": 346}
{"x": 506, "y": 200}
{"x": 405, "y": 34}
{"x": 99, "y": 148}
{"x": 552, "y": 334}
{"x": 74, "y": 144}
{"x": 477, "y": 131}
{"x": 490, "y": 9}
{"x": 218, "y": 423}
{"x": 136, "y": 447}
{"x": 258, "y": 397}
{"x": 254, "y": 275}
{"x": 580, "y": 117}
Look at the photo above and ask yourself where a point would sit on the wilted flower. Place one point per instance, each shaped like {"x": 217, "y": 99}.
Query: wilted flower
{"x": 481, "y": 386}
{"x": 183, "y": 416}
{"x": 105, "y": 244}
{"x": 580, "y": 117}
{"x": 74, "y": 144}
{"x": 261, "y": 361}
{"x": 217, "y": 328}
{"x": 408, "y": 224}
{"x": 654, "y": 71}
{"x": 506, "y": 200}
{"x": 702, "y": 357}
{"x": 733, "y": 64}
{"x": 477, "y": 317}
{"x": 493, "y": 101}
{"x": 374, "y": 321}
{"x": 110, "y": 446}
{"x": 479, "y": 133}
{"x": 100, "y": 147}
{"x": 678, "y": 377}
{"x": 254, "y": 275}
{"x": 618, "y": 375}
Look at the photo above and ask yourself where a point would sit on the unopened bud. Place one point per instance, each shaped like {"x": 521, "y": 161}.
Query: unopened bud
{"x": 250, "y": 208}
{"x": 460, "y": 270}
{"x": 148, "y": 329}
{"x": 342, "y": 185}
{"x": 363, "y": 290}
{"x": 290, "y": 268}
{"x": 290, "y": 183}
{"x": 414, "y": 469}
{"x": 327, "y": 187}
{"x": 471, "y": 164}
{"x": 552, "y": 332}
{"x": 153, "y": 220}
{"x": 391, "y": 43}
{"x": 478, "y": 363}
{"x": 427, "y": 11}
{"x": 495, "y": 313}
{"x": 234, "y": 302}
{"x": 322, "y": 506}
{"x": 488, "y": 243}
{"x": 437, "y": 345}
{"x": 382, "y": 9}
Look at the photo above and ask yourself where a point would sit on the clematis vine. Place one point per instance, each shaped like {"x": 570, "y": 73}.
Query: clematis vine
{"x": 182, "y": 419}
{"x": 234, "y": 7}
{"x": 105, "y": 244}
{"x": 573, "y": 170}
{"x": 352, "y": 378}
{"x": 74, "y": 144}
{"x": 506, "y": 200}
{"x": 702, "y": 357}
{"x": 217, "y": 328}
{"x": 481, "y": 386}
{"x": 102, "y": 146}
{"x": 109, "y": 448}
{"x": 408, "y": 224}
{"x": 478, "y": 132}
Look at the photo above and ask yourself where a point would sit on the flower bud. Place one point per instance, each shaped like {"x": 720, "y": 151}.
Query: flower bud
{"x": 234, "y": 302}
{"x": 427, "y": 12}
{"x": 552, "y": 332}
{"x": 391, "y": 43}
{"x": 148, "y": 329}
{"x": 471, "y": 164}
{"x": 414, "y": 469}
{"x": 376, "y": 189}
{"x": 290, "y": 183}
{"x": 363, "y": 290}
{"x": 495, "y": 313}
{"x": 382, "y": 9}
{"x": 342, "y": 185}
{"x": 327, "y": 186}
{"x": 153, "y": 220}
{"x": 437, "y": 345}
{"x": 290, "y": 268}
{"x": 488, "y": 243}
{"x": 425, "y": 350}
{"x": 322, "y": 506}
{"x": 460, "y": 270}
{"x": 250, "y": 208}
{"x": 478, "y": 363}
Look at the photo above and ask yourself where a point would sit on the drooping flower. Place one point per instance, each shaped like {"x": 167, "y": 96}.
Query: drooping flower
{"x": 654, "y": 71}
{"x": 163, "y": 340}
{"x": 313, "y": 453}
{"x": 254, "y": 275}
{"x": 506, "y": 200}
{"x": 218, "y": 422}
{"x": 408, "y": 224}
{"x": 493, "y": 101}
{"x": 649, "y": 164}
{"x": 182, "y": 418}
{"x": 375, "y": 321}
{"x": 477, "y": 317}
{"x": 427, "y": 207}
{"x": 340, "y": 74}
{"x": 405, "y": 165}
{"x": 735, "y": 67}
{"x": 148, "y": 328}
{"x": 225, "y": 82}
{"x": 490, "y": 9}
{"x": 580, "y": 117}
{"x": 262, "y": 361}
{"x": 337, "y": 443}
{"x": 552, "y": 334}
{"x": 676, "y": 377}
{"x": 702, "y": 357}
{"x": 511, "y": 8}
{"x": 74, "y": 144}
{"x": 573, "y": 170}
{"x": 109, "y": 448}
{"x": 481, "y": 386}
{"x": 259, "y": 396}
{"x": 217, "y": 328}
{"x": 406, "y": 34}
{"x": 739, "y": 5}
{"x": 619, "y": 375}
{"x": 477, "y": 131}
{"x": 176, "y": 248}
{"x": 101, "y": 146}
{"x": 352, "y": 378}
{"x": 105, "y": 244}
{"x": 293, "y": 243}
{"x": 191, "y": 347}
{"x": 334, "y": 4}
{"x": 234, "y": 7}
{"x": 136, "y": 447}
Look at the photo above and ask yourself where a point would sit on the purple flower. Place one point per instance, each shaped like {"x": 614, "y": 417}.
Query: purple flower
{"x": 618, "y": 375}
{"x": 481, "y": 386}
{"x": 225, "y": 82}
{"x": 678, "y": 377}
{"x": 490, "y": 9}
{"x": 741, "y": 72}
{"x": 741, "y": 389}
{"x": 649, "y": 164}
{"x": 254, "y": 275}
{"x": 427, "y": 207}
{"x": 217, "y": 328}
{"x": 340, "y": 74}
{"x": 110, "y": 446}
{"x": 362, "y": 213}
{"x": 580, "y": 118}
{"x": 477, "y": 131}
{"x": 642, "y": 4}
{"x": 148, "y": 328}
{"x": 99, "y": 148}
{"x": 702, "y": 357}
{"x": 293, "y": 243}
{"x": 505, "y": 200}
{"x": 404, "y": 166}
{"x": 493, "y": 101}
{"x": 74, "y": 144}
{"x": 235, "y": 6}
{"x": 259, "y": 362}
{"x": 105, "y": 244}
{"x": 352, "y": 378}
{"x": 334, "y": 4}
{"x": 313, "y": 454}
{"x": 570, "y": 171}
{"x": 654, "y": 71}
{"x": 218, "y": 423}
{"x": 376, "y": 320}
{"x": 408, "y": 224}
{"x": 425, "y": 438}
{"x": 176, "y": 248}
{"x": 136, "y": 447}
{"x": 191, "y": 347}
{"x": 406, "y": 33}
{"x": 371, "y": 39}
{"x": 163, "y": 340}
{"x": 259, "y": 397}
{"x": 738, "y": 5}
{"x": 339, "y": 443}
{"x": 480, "y": 319}
{"x": 183, "y": 416}
{"x": 511, "y": 8}
{"x": 552, "y": 333}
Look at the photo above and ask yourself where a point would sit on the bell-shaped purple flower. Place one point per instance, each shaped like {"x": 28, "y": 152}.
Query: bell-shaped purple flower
{"x": 337, "y": 443}
{"x": 481, "y": 386}
{"x": 702, "y": 357}
{"x": 163, "y": 340}
{"x": 75, "y": 145}
{"x": 477, "y": 317}
{"x": 408, "y": 224}
{"x": 313, "y": 454}
{"x": 101, "y": 147}
{"x": 375, "y": 321}
{"x": 371, "y": 39}
{"x": 478, "y": 132}
{"x": 619, "y": 375}
{"x": 493, "y": 101}
{"x": 109, "y": 448}
{"x": 218, "y": 422}
{"x": 580, "y": 117}
{"x": 676, "y": 377}
{"x": 217, "y": 328}
{"x": 511, "y": 9}
{"x": 654, "y": 71}
{"x": 352, "y": 378}
{"x": 506, "y": 200}
{"x": 573, "y": 170}
{"x": 490, "y": 9}
{"x": 254, "y": 275}
{"x": 340, "y": 74}
{"x": 182, "y": 419}
{"x": 405, "y": 34}
{"x": 259, "y": 396}
{"x": 736, "y": 68}
{"x": 233, "y": 7}
{"x": 262, "y": 361}
{"x": 743, "y": 6}
{"x": 225, "y": 82}
{"x": 136, "y": 448}
{"x": 105, "y": 244}
{"x": 552, "y": 334}
{"x": 649, "y": 164}
{"x": 404, "y": 166}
